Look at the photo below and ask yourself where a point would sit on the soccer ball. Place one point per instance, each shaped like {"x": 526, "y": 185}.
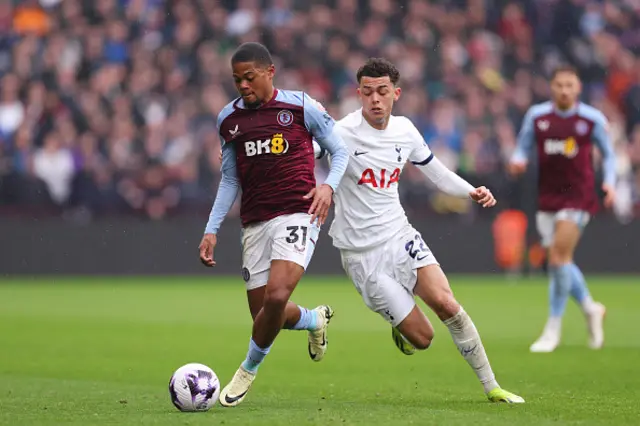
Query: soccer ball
{"x": 194, "y": 387}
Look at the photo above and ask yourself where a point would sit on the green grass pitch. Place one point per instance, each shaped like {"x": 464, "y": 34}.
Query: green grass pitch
{"x": 101, "y": 352}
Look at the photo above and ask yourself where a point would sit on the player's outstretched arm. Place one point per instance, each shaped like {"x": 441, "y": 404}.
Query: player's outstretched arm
{"x": 446, "y": 180}
{"x": 321, "y": 125}
{"x": 227, "y": 193}
{"x": 520, "y": 157}
{"x": 452, "y": 184}
{"x": 602, "y": 140}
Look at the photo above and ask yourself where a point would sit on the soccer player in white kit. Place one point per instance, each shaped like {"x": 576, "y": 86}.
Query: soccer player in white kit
{"x": 385, "y": 257}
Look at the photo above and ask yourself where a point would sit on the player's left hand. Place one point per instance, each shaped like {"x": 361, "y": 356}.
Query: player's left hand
{"x": 322, "y": 196}
{"x": 516, "y": 168}
{"x": 609, "y": 195}
{"x": 482, "y": 195}
{"x": 220, "y": 155}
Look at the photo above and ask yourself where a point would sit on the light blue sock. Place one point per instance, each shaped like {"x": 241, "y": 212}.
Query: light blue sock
{"x": 579, "y": 290}
{"x": 559, "y": 288}
{"x": 255, "y": 355}
{"x": 308, "y": 320}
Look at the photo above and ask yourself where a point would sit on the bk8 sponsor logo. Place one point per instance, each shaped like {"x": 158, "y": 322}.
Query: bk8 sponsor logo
{"x": 277, "y": 145}
{"x": 566, "y": 147}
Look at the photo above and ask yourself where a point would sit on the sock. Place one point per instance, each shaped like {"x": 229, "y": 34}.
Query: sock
{"x": 559, "y": 288}
{"x": 308, "y": 320}
{"x": 466, "y": 337}
{"x": 255, "y": 355}
{"x": 579, "y": 290}
{"x": 553, "y": 326}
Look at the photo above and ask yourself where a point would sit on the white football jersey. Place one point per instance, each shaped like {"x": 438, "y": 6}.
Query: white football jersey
{"x": 368, "y": 209}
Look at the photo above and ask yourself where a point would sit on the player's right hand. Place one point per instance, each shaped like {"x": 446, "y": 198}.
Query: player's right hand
{"x": 609, "y": 195}
{"x": 322, "y": 197}
{"x": 220, "y": 155}
{"x": 206, "y": 247}
{"x": 516, "y": 168}
{"x": 483, "y": 196}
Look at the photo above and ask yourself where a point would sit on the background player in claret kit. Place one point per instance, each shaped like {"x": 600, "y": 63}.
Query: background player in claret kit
{"x": 268, "y": 153}
{"x": 564, "y": 132}
{"x": 385, "y": 257}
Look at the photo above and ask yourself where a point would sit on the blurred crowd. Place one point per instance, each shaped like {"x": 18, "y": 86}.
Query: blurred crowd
{"x": 109, "y": 106}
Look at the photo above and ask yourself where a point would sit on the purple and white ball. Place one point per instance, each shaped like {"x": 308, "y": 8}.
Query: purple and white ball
{"x": 194, "y": 387}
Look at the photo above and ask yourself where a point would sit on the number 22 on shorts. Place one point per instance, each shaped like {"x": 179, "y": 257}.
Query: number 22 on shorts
{"x": 416, "y": 248}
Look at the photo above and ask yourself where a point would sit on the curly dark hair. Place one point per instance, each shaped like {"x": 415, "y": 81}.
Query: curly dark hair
{"x": 379, "y": 67}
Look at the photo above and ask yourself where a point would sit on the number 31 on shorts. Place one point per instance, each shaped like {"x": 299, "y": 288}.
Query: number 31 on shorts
{"x": 416, "y": 248}
{"x": 294, "y": 234}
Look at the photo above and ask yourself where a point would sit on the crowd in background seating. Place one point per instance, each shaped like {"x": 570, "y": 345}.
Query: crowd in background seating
{"x": 109, "y": 107}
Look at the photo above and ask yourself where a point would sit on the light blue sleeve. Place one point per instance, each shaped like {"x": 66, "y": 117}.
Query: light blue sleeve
{"x": 316, "y": 118}
{"x": 601, "y": 138}
{"x": 318, "y": 151}
{"x": 227, "y": 190}
{"x": 226, "y": 112}
{"x": 526, "y": 137}
{"x": 321, "y": 125}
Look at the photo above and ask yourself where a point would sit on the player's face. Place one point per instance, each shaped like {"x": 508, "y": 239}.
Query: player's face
{"x": 565, "y": 89}
{"x": 377, "y": 95}
{"x": 253, "y": 82}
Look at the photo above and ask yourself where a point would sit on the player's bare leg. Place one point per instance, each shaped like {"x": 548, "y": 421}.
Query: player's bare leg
{"x": 283, "y": 279}
{"x": 565, "y": 279}
{"x": 414, "y": 332}
{"x": 297, "y": 317}
{"x": 293, "y": 312}
{"x": 433, "y": 288}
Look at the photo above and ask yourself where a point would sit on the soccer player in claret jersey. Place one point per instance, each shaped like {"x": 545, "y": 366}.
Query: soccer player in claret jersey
{"x": 267, "y": 151}
{"x": 564, "y": 132}
{"x": 385, "y": 257}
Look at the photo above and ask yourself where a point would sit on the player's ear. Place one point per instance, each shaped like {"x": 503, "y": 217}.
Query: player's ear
{"x": 396, "y": 93}
{"x": 271, "y": 70}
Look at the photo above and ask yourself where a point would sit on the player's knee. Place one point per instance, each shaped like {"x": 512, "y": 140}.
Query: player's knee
{"x": 558, "y": 256}
{"x": 445, "y": 305}
{"x": 419, "y": 334}
{"x": 276, "y": 299}
{"x": 424, "y": 339}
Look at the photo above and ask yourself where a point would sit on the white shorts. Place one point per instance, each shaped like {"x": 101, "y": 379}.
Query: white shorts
{"x": 546, "y": 222}
{"x": 385, "y": 276}
{"x": 289, "y": 237}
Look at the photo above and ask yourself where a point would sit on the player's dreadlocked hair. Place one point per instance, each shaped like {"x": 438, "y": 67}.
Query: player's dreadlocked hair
{"x": 379, "y": 67}
{"x": 252, "y": 52}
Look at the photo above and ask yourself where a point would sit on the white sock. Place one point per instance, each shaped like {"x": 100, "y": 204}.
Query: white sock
{"x": 553, "y": 326}
{"x": 466, "y": 337}
{"x": 587, "y": 305}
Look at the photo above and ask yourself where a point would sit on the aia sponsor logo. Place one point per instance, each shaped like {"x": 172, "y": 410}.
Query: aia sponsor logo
{"x": 383, "y": 179}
